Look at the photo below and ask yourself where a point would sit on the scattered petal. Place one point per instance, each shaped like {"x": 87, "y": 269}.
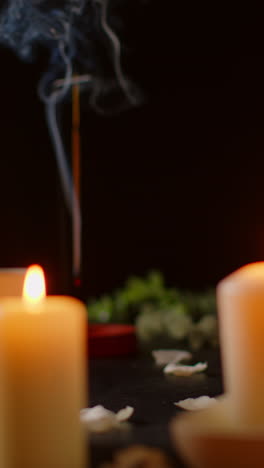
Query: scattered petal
{"x": 100, "y": 419}
{"x": 194, "y": 404}
{"x": 125, "y": 413}
{"x": 166, "y": 356}
{"x": 182, "y": 370}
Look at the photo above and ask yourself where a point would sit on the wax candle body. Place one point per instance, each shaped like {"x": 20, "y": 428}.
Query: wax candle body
{"x": 11, "y": 281}
{"x": 3, "y": 441}
{"x": 44, "y": 380}
{"x": 241, "y": 316}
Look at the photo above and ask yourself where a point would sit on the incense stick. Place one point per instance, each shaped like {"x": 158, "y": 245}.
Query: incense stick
{"x": 76, "y": 174}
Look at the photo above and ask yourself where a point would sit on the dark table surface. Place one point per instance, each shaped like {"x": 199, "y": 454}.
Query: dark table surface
{"x": 138, "y": 382}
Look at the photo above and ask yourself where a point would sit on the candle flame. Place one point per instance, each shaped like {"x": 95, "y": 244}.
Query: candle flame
{"x": 34, "y": 289}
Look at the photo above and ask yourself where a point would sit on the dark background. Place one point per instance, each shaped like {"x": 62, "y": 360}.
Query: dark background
{"x": 175, "y": 185}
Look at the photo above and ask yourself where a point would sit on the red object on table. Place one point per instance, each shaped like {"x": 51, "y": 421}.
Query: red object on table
{"x": 111, "y": 340}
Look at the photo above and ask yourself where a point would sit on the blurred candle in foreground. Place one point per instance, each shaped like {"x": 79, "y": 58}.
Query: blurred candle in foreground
{"x": 11, "y": 281}
{"x": 241, "y": 314}
{"x": 43, "y": 350}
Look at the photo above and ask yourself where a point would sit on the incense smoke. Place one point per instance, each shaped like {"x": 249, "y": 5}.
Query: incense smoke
{"x": 82, "y": 38}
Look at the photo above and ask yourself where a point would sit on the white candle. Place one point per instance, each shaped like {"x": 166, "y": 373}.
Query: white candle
{"x": 230, "y": 433}
{"x": 241, "y": 316}
{"x": 44, "y": 382}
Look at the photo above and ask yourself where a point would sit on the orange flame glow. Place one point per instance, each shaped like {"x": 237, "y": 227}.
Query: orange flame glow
{"x": 34, "y": 289}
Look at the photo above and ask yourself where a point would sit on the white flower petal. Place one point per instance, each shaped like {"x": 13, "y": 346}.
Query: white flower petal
{"x": 165, "y": 356}
{"x": 195, "y": 404}
{"x": 182, "y": 370}
{"x": 125, "y": 413}
{"x": 100, "y": 419}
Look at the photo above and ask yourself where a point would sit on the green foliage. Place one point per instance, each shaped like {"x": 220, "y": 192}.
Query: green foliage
{"x": 160, "y": 312}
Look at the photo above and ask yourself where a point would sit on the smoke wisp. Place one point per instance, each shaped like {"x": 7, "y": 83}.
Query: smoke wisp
{"x": 83, "y": 43}
{"x": 84, "y": 33}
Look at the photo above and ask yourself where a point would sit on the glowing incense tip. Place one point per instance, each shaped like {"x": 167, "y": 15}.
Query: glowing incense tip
{"x": 34, "y": 289}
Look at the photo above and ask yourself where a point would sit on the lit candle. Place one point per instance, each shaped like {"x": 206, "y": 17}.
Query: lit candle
{"x": 43, "y": 348}
{"x": 231, "y": 432}
{"x": 241, "y": 315}
{"x": 11, "y": 281}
